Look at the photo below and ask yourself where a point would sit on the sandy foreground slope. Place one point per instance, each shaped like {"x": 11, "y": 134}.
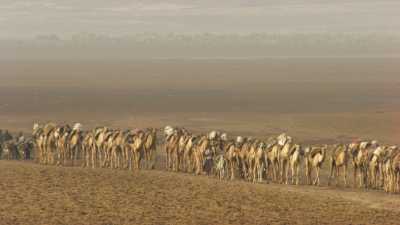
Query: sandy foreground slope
{"x": 34, "y": 194}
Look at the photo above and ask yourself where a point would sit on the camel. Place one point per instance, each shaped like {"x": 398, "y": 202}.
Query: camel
{"x": 243, "y": 162}
{"x": 387, "y": 172}
{"x": 259, "y": 162}
{"x": 62, "y": 151}
{"x": 198, "y": 153}
{"x": 314, "y": 157}
{"x": 338, "y": 159}
{"x": 50, "y": 146}
{"x": 150, "y": 147}
{"x": 283, "y": 158}
{"x": 100, "y": 136}
{"x": 116, "y": 157}
{"x": 296, "y": 153}
{"x": 251, "y": 160}
{"x": 232, "y": 157}
{"x": 114, "y": 148}
{"x": 360, "y": 155}
{"x": 111, "y": 139}
{"x": 179, "y": 155}
{"x": 171, "y": 149}
{"x": 271, "y": 159}
{"x": 38, "y": 137}
{"x": 136, "y": 150}
{"x": 375, "y": 166}
{"x": 188, "y": 160}
{"x": 395, "y": 168}
{"x": 89, "y": 150}
{"x": 74, "y": 143}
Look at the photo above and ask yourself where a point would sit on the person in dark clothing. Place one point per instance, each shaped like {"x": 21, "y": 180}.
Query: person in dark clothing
{"x": 208, "y": 162}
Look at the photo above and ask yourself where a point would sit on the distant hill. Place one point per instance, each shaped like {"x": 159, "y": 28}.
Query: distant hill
{"x": 206, "y": 45}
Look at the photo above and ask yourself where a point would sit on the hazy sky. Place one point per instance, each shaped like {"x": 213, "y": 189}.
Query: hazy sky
{"x": 117, "y": 17}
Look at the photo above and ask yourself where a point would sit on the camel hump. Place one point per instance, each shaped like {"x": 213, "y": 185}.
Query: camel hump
{"x": 364, "y": 145}
{"x": 293, "y": 149}
{"x": 48, "y": 128}
{"x": 315, "y": 150}
{"x": 338, "y": 150}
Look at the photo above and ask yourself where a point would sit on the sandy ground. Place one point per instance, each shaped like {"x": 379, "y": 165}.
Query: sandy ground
{"x": 34, "y": 194}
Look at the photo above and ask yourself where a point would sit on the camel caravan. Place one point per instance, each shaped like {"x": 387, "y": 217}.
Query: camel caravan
{"x": 102, "y": 147}
{"x": 276, "y": 159}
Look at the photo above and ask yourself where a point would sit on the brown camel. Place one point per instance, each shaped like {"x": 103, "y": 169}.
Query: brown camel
{"x": 259, "y": 162}
{"x": 296, "y": 154}
{"x": 271, "y": 159}
{"x": 360, "y": 156}
{"x": 136, "y": 149}
{"x": 198, "y": 153}
{"x": 388, "y": 174}
{"x": 251, "y": 155}
{"x": 232, "y": 157}
{"x": 375, "y": 166}
{"x": 314, "y": 157}
{"x": 283, "y": 158}
{"x": 188, "y": 160}
{"x": 243, "y": 163}
{"x": 74, "y": 144}
{"x": 183, "y": 140}
{"x": 395, "y": 173}
{"x": 150, "y": 147}
{"x": 89, "y": 150}
{"x": 339, "y": 159}
{"x": 171, "y": 149}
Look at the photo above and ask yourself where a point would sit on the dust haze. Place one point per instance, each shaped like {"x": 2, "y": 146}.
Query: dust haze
{"x": 321, "y": 70}
{"x": 324, "y": 71}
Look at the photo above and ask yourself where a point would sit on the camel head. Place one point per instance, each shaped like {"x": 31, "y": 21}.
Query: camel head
{"x": 36, "y": 129}
{"x": 153, "y": 131}
{"x": 36, "y": 126}
{"x": 262, "y": 146}
{"x": 295, "y": 148}
{"x": 307, "y": 150}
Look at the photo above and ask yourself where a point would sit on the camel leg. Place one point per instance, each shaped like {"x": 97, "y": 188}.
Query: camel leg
{"x": 281, "y": 173}
{"x": 337, "y": 175}
{"x": 166, "y": 160}
{"x": 254, "y": 174}
{"x": 316, "y": 182}
{"x": 87, "y": 158}
{"x": 261, "y": 172}
{"x": 331, "y": 173}
{"x": 131, "y": 156}
{"x": 276, "y": 171}
{"x": 293, "y": 176}
{"x": 231, "y": 167}
{"x": 287, "y": 172}
{"x": 345, "y": 175}
{"x": 94, "y": 157}
{"x": 355, "y": 176}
